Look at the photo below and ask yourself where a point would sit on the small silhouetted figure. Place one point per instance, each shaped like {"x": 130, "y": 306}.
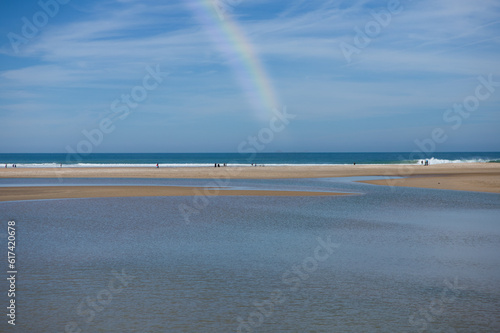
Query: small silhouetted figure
{"x": 61, "y": 165}
{"x": 215, "y": 165}
{"x": 354, "y": 163}
{"x": 426, "y": 162}
{"x": 218, "y": 165}
{"x": 224, "y": 164}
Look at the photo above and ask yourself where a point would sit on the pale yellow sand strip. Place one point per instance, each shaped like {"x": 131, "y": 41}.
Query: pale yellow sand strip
{"x": 268, "y": 172}
{"x": 464, "y": 176}
{"x": 459, "y": 182}
{"x": 60, "y": 192}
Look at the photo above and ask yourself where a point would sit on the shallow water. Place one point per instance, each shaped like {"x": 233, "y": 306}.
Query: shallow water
{"x": 399, "y": 259}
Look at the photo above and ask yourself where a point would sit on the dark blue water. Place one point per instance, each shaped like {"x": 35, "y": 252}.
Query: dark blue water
{"x": 207, "y": 159}
{"x": 395, "y": 260}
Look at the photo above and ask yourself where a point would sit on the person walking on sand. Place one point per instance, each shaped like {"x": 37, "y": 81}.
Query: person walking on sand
{"x": 157, "y": 165}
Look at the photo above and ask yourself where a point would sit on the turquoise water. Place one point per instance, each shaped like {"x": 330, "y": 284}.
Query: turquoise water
{"x": 208, "y": 159}
{"x": 395, "y": 260}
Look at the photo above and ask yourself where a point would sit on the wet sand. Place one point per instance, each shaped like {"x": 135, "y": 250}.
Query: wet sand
{"x": 459, "y": 182}
{"x": 483, "y": 177}
{"x": 65, "y": 192}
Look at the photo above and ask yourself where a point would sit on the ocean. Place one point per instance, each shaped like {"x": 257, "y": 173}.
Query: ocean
{"x": 237, "y": 159}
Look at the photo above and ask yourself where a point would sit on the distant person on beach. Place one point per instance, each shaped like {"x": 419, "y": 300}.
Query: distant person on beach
{"x": 354, "y": 163}
{"x": 5, "y": 164}
{"x": 157, "y": 165}
{"x": 215, "y": 165}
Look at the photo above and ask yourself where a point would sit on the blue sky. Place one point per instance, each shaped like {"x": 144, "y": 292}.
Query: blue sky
{"x": 387, "y": 95}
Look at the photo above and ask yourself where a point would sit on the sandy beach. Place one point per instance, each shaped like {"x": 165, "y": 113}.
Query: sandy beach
{"x": 482, "y": 177}
{"x": 65, "y": 192}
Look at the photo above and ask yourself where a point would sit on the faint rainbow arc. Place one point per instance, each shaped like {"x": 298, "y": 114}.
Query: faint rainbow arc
{"x": 231, "y": 32}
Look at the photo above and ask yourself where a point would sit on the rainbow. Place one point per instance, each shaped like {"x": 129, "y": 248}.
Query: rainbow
{"x": 230, "y": 38}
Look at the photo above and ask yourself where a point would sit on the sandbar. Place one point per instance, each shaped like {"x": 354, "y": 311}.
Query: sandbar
{"x": 459, "y": 182}
{"x": 66, "y": 192}
{"x": 481, "y": 177}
